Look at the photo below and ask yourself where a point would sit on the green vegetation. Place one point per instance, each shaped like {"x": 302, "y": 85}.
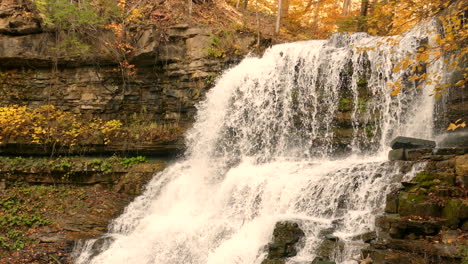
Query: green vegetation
{"x": 224, "y": 44}
{"x": 362, "y": 105}
{"x": 128, "y": 162}
{"x": 424, "y": 176}
{"x": 464, "y": 254}
{"x": 101, "y": 165}
{"x": 345, "y": 105}
{"x": 370, "y": 131}
{"x": 66, "y": 166}
{"x": 53, "y": 128}
{"x": 73, "y": 22}
{"x": 19, "y": 212}
{"x": 210, "y": 79}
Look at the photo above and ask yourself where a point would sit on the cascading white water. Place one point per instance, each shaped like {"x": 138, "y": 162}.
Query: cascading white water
{"x": 260, "y": 152}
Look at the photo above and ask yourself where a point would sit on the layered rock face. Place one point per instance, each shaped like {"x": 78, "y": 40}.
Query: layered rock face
{"x": 174, "y": 70}
{"x": 427, "y": 220}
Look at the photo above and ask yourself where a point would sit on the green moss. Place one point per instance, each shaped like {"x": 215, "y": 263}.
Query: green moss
{"x": 424, "y": 176}
{"x": 370, "y": 131}
{"x": 426, "y": 184}
{"x": 415, "y": 198}
{"x": 362, "y": 105}
{"x": 345, "y": 105}
{"x": 452, "y": 212}
{"x": 294, "y": 96}
{"x": 361, "y": 83}
{"x": 406, "y": 201}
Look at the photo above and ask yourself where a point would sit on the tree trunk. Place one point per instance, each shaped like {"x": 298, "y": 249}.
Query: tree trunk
{"x": 364, "y": 7}
{"x": 285, "y": 8}
{"x": 278, "y": 18}
{"x": 246, "y": 3}
{"x": 190, "y": 7}
{"x": 316, "y": 14}
{"x": 346, "y": 7}
{"x": 362, "y": 21}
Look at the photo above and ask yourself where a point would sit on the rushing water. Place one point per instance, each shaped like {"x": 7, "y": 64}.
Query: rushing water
{"x": 261, "y": 151}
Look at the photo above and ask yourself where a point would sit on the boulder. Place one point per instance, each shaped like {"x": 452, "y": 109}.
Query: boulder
{"x": 396, "y": 154}
{"x": 411, "y": 143}
{"x": 285, "y": 237}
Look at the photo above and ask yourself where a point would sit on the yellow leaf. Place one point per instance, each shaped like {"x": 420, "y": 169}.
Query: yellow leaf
{"x": 396, "y": 91}
{"x": 460, "y": 83}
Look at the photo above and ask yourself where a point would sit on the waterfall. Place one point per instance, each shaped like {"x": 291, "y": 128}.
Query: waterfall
{"x": 298, "y": 134}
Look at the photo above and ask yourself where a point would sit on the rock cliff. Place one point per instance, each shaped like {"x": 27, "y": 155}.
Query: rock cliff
{"x": 174, "y": 69}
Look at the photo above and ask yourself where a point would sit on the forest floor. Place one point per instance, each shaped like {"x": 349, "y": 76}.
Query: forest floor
{"x": 47, "y": 205}
{"x": 225, "y": 16}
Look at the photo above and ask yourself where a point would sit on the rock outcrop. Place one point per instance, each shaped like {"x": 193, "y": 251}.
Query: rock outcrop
{"x": 426, "y": 221}
{"x": 286, "y": 236}
{"x": 173, "y": 65}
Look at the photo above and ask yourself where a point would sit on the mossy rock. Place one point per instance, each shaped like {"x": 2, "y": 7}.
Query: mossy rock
{"x": 427, "y": 179}
{"x": 455, "y": 211}
{"x": 413, "y": 204}
{"x": 424, "y": 176}
{"x": 345, "y": 105}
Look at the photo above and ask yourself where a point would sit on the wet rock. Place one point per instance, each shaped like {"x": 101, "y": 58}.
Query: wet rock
{"x": 450, "y": 151}
{"x": 326, "y": 232}
{"x": 322, "y": 261}
{"x": 100, "y": 245}
{"x": 391, "y": 205}
{"x": 455, "y": 211}
{"x": 327, "y": 248}
{"x": 273, "y": 261}
{"x": 366, "y": 237}
{"x": 411, "y": 143}
{"x": 398, "y": 227}
{"x": 417, "y": 154}
{"x": 286, "y": 235}
{"x": 424, "y": 247}
{"x": 454, "y": 140}
{"x": 51, "y": 238}
{"x": 410, "y": 204}
{"x": 396, "y": 154}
